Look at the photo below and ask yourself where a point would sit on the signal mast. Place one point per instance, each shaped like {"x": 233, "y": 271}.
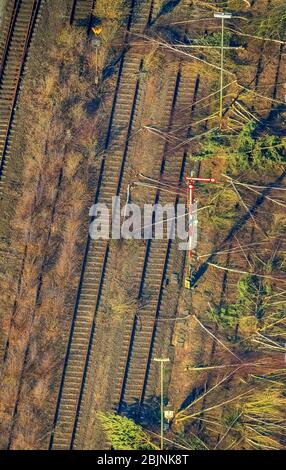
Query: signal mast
{"x": 166, "y": 186}
{"x": 191, "y": 181}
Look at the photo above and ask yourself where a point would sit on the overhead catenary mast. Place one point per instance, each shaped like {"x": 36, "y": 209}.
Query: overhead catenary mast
{"x": 223, "y": 16}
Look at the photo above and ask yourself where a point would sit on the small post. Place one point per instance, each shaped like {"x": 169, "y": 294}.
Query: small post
{"x": 97, "y": 44}
{"x": 162, "y": 361}
{"x": 223, "y": 16}
{"x": 127, "y": 200}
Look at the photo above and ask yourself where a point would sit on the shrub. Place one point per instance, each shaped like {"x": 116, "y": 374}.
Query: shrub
{"x": 251, "y": 148}
{"x": 124, "y": 434}
{"x": 225, "y": 317}
{"x": 251, "y": 291}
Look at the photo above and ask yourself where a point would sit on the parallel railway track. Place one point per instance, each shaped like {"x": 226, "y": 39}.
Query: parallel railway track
{"x": 143, "y": 333}
{"x": 7, "y": 27}
{"x": 137, "y": 365}
{"x": 21, "y": 19}
{"x": 19, "y": 26}
{"x": 79, "y": 14}
{"x": 97, "y": 251}
{"x": 139, "y": 342}
{"x": 91, "y": 381}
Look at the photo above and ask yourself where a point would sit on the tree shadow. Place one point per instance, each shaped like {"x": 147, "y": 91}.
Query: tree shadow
{"x": 167, "y": 7}
{"x": 195, "y": 393}
{"x": 146, "y": 414}
{"x": 92, "y": 105}
{"x": 83, "y": 22}
{"x": 237, "y": 226}
{"x": 111, "y": 68}
{"x": 276, "y": 117}
{"x": 166, "y": 31}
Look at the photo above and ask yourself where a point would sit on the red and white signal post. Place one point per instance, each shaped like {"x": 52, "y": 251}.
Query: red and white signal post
{"x": 191, "y": 181}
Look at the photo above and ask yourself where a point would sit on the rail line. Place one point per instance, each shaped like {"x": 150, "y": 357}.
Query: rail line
{"x": 13, "y": 25}
{"x": 82, "y": 347}
{"x": 20, "y": 23}
{"x": 137, "y": 364}
{"x": 143, "y": 336}
{"x": 276, "y": 93}
{"x": 97, "y": 251}
{"x": 81, "y": 13}
{"x": 21, "y": 19}
{"x": 86, "y": 12}
{"x": 24, "y": 19}
{"x": 7, "y": 27}
{"x": 168, "y": 107}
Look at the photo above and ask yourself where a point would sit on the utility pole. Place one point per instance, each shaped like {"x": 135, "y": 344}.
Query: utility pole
{"x": 162, "y": 360}
{"x": 223, "y": 16}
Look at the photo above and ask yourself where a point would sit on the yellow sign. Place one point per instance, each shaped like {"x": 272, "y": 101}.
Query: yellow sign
{"x": 96, "y": 30}
{"x": 187, "y": 283}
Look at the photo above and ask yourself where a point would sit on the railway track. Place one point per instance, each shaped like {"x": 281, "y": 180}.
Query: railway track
{"x": 3, "y": 353}
{"x": 143, "y": 336}
{"x": 136, "y": 365}
{"x": 19, "y": 31}
{"x": 19, "y": 34}
{"x": 91, "y": 381}
{"x": 22, "y": 17}
{"x": 20, "y": 22}
{"x": 81, "y": 13}
{"x": 97, "y": 251}
{"x": 142, "y": 339}
{"x": 7, "y": 22}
